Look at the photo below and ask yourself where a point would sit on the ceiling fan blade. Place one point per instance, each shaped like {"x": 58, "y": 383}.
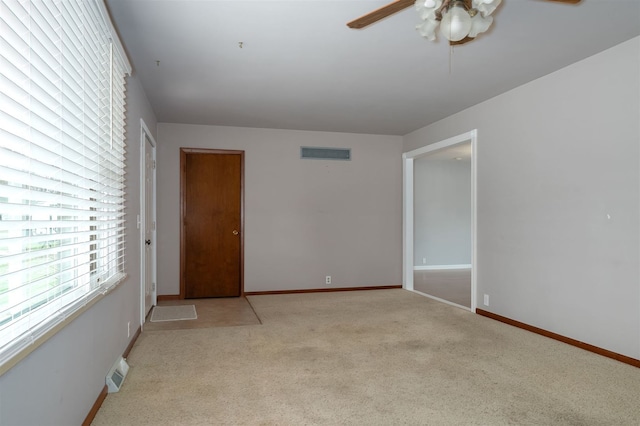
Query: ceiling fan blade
{"x": 381, "y": 13}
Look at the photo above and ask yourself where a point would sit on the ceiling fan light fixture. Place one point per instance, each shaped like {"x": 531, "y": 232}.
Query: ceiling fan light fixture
{"x": 427, "y": 11}
{"x": 460, "y": 21}
{"x": 427, "y": 29}
{"x": 486, "y": 7}
{"x": 479, "y": 24}
{"x": 456, "y": 22}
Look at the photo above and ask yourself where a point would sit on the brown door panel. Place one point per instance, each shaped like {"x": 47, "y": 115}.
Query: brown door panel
{"x": 212, "y": 215}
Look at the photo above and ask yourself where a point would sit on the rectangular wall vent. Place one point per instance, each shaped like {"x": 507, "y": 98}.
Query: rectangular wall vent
{"x": 116, "y": 375}
{"x": 311, "y": 153}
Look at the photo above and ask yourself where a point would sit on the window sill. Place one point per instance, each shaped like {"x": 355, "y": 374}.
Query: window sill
{"x": 22, "y": 354}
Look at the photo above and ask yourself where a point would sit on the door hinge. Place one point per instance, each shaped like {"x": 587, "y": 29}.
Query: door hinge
{"x": 153, "y": 286}
{"x": 154, "y": 164}
{"x": 153, "y": 225}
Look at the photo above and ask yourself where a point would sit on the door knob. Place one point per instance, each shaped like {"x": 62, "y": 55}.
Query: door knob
{"x": 235, "y": 232}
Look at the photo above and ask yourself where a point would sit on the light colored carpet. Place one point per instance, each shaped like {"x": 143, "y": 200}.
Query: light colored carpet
{"x": 173, "y": 313}
{"x": 384, "y": 357}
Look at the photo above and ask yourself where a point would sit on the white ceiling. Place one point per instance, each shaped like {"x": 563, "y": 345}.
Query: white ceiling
{"x": 301, "y": 67}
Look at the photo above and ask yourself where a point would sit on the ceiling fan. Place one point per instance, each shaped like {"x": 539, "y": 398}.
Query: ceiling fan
{"x": 460, "y": 21}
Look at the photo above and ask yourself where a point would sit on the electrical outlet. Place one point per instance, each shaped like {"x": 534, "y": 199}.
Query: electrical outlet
{"x": 327, "y": 279}
{"x": 486, "y": 300}
{"x": 128, "y": 329}
{"x": 424, "y": 260}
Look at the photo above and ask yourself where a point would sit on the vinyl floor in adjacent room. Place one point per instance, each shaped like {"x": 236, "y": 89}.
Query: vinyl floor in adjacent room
{"x": 222, "y": 312}
{"x": 382, "y": 357}
{"x": 453, "y": 285}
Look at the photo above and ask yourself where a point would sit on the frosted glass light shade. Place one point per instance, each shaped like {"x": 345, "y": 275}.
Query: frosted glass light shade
{"x": 428, "y": 29}
{"x": 479, "y": 24}
{"x": 428, "y": 12}
{"x": 486, "y": 7}
{"x": 455, "y": 24}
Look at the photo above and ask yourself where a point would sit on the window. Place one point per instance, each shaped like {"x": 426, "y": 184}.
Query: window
{"x": 62, "y": 153}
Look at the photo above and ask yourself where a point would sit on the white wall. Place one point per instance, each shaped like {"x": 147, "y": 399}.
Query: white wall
{"x": 558, "y": 199}
{"x": 304, "y": 219}
{"x": 442, "y": 211}
{"x": 59, "y": 382}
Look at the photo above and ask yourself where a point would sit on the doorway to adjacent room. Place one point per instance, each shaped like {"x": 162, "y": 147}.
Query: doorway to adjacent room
{"x": 440, "y": 220}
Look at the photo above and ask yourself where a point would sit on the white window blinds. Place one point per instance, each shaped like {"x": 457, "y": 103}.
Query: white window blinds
{"x": 62, "y": 174}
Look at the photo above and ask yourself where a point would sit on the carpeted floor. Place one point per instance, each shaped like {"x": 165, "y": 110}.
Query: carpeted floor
{"x": 382, "y": 357}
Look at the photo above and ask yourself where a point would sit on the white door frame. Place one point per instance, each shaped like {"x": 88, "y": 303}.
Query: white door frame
{"x": 407, "y": 215}
{"x": 144, "y": 135}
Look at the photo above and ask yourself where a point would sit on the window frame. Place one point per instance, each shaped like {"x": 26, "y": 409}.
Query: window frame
{"x": 105, "y": 259}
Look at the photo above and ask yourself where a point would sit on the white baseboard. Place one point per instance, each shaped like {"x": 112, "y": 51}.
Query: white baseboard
{"x": 440, "y": 267}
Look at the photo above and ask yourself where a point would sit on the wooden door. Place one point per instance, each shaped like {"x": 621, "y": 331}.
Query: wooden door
{"x": 211, "y": 238}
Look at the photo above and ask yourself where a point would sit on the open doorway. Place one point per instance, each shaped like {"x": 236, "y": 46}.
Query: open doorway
{"x": 440, "y": 220}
